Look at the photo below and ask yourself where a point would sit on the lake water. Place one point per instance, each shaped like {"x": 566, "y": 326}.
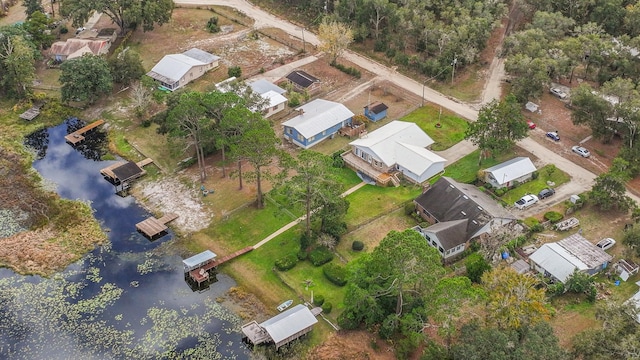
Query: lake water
{"x": 126, "y": 299}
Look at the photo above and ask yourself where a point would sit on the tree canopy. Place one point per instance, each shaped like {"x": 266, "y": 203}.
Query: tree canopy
{"x": 334, "y": 38}
{"x": 499, "y": 126}
{"x": 124, "y": 13}
{"x": 85, "y": 78}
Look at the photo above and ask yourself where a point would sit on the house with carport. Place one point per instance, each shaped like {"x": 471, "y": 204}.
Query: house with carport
{"x": 558, "y": 260}
{"x": 510, "y": 173}
{"x": 459, "y": 214}
{"x": 316, "y": 121}
{"x": 397, "y": 150}
{"x": 174, "y": 71}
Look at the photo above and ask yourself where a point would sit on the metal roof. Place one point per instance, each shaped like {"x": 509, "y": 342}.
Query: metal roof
{"x": 318, "y": 116}
{"x": 201, "y": 55}
{"x": 289, "y": 322}
{"x": 416, "y": 159}
{"x": 199, "y": 259}
{"x": 382, "y": 142}
{"x": 511, "y": 169}
{"x": 262, "y": 86}
{"x": 274, "y": 98}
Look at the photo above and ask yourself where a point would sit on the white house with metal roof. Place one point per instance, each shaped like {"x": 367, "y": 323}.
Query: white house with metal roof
{"x": 272, "y": 93}
{"x": 559, "y": 260}
{"x": 176, "y": 70}
{"x": 506, "y": 174}
{"x": 316, "y": 121}
{"x": 282, "y": 328}
{"x": 398, "y": 147}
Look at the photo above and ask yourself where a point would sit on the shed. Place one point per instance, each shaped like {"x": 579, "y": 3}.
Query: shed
{"x": 376, "y": 111}
{"x": 302, "y": 80}
{"x": 519, "y": 169}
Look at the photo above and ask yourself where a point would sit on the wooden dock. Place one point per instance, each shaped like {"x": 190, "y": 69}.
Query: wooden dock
{"x": 202, "y": 273}
{"x": 110, "y": 171}
{"x": 78, "y": 136}
{"x": 152, "y": 226}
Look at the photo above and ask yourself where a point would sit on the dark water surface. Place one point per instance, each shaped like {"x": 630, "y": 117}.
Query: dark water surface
{"x": 126, "y": 299}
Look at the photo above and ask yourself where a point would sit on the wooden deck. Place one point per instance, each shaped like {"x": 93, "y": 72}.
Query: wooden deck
{"x": 152, "y": 226}
{"x": 77, "y": 136}
{"x": 202, "y": 273}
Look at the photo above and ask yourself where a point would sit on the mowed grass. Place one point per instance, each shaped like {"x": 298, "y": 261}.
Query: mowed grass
{"x": 547, "y": 173}
{"x": 466, "y": 169}
{"x": 371, "y": 202}
{"x": 450, "y": 132}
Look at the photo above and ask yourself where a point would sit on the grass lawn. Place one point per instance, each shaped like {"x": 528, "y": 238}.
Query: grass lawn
{"x": 466, "y": 169}
{"x": 556, "y": 175}
{"x": 448, "y": 134}
{"x": 370, "y": 202}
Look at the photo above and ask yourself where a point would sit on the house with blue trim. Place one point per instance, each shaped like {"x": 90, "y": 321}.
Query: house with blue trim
{"x": 316, "y": 121}
{"x": 376, "y": 111}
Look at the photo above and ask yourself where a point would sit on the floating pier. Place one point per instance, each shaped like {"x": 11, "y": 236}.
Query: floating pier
{"x": 77, "y": 136}
{"x": 152, "y": 226}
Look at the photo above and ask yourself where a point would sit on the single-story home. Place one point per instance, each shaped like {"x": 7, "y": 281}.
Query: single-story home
{"x": 558, "y": 260}
{"x": 376, "y": 111}
{"x": 282, "y": 328}
{"x": 303, "y": 81}
{"x": 176, "y": 70}
{"x": 75, "y": 48}
{"x": 508, "y": 173}
{"x": 316, "y": 121}
{"x": 397, "y": 149}
{"x": 459, "y": 213}
{"x": 272, "y": 93}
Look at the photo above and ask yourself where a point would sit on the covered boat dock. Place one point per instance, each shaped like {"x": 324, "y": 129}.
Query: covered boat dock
{"x": 281, "y": 329}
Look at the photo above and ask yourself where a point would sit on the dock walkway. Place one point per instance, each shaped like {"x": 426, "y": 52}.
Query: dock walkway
{"x": 152, "y": 226}
{"x": 202, "y": 273}
{"x": 77, "y": 136}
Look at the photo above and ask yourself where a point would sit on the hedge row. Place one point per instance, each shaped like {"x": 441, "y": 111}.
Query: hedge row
{"x": 287, "y": 262}
{"x": 335, "y": 273}
{"x": 347, "y": 70}
{"x": 320, "y": 256}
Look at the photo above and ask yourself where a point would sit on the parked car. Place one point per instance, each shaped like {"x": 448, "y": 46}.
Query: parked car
{"x": 526, "y": 201}
{"x": 581, "y": 151}
{"x": 553, "y": 135}
{"x": 545, "y": 193}
{"x": 559, "y": 93}
{"x": 606, "y": 243}
{"x": 531, "y": 124}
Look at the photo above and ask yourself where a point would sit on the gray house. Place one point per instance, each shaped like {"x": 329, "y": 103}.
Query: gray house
{"x": 177, "y": 70}
{"x": 459, "y": 213}
{"x": 516, "y": 170}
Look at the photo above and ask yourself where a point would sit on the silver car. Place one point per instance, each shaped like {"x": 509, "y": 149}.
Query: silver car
{"x": 559, "y": 93}
{"x": 581, "y": 151}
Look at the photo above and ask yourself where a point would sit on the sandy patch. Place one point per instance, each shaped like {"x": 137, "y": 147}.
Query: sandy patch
{"x": 170, "y": 195}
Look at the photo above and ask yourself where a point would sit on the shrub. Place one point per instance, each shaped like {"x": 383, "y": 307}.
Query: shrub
{"x": 534, "y": 175}
{"x": 537, "y": 228}
{"x": 553, "y": 216}
{"x": 320, "y": 256}
{"x": 302, "y": 255}
{"x": 380, "y": 46}
{"x": 555, "y": 289}
{"x": 500, "y": 191}
{"x": 64, "y": 30}
{"x": 318, "y": 300}
{"x": 234, "y": 71}
{"x": 326, "y": 308}
{"x": 212, "y": 25}
{"x": 357, "y": 245}
{"x": 287, "y": 262}
{"x": 335, "y": 273}
{"x": 294, "y": 99}
{"x": 347, "y": 70}
{"x": 409, "y": 208}
{"x": 338, "y": 161}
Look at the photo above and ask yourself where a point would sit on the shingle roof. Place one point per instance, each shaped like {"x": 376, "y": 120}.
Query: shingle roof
{"x": 302, "y": 78}
{"x": 73, "y": 45}
{"x": 317, "y": 116}
{"x": 377, "y": 107}
{"x": 511, "y": 169}
{"x": 448, "y": 200}
{"x": 450, "y": 233}
{"x": 289, "y": 322}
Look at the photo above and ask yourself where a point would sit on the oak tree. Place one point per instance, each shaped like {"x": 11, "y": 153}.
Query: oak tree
{"x": 85, "y": 78}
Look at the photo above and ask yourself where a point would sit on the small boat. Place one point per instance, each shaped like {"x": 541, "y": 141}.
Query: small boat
{"x": 284, "y": 305}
